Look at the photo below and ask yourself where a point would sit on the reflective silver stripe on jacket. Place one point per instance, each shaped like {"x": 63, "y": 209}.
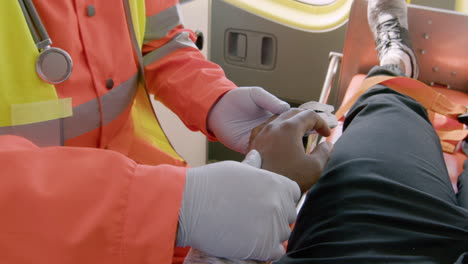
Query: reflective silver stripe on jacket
{"x": 86, "y": 117}
{"x": 182, "y": 40}
{"x": 43, "y": 134}
{"x": 158, "y": 25}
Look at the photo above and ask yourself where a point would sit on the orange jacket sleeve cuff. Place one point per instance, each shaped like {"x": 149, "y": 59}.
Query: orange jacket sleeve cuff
{"x": 152, "y": 214}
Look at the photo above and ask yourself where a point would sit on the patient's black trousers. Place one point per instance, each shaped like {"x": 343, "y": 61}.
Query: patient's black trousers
{"x": 385, "y": 195}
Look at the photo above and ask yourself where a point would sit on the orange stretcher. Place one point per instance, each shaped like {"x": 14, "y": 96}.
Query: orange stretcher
{"x": 440, "y": 44}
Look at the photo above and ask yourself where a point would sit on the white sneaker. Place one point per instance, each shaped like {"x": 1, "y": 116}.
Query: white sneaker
{"x": 388, "y": 21}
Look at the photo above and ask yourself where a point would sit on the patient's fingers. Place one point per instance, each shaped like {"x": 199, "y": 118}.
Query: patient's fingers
{"x": 307, "y": 120}
{"x": 288, "y": 114}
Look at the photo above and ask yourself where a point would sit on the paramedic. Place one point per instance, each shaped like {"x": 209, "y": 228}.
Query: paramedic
{"x": 88, "y": 176}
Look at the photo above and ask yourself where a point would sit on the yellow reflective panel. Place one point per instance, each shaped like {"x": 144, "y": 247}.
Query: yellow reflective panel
{"x": 19, "y": 82}
{"x": 139, "y": 19}
{"x": 299, "y": 15}
{"x": 462, "y": 6}
{"x": 147, "y": 126}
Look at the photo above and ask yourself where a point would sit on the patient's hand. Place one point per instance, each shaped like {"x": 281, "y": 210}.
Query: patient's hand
{"x": 279, "y": 142}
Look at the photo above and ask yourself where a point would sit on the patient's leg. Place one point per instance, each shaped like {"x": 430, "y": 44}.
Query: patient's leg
{"x": 385, "y": 196}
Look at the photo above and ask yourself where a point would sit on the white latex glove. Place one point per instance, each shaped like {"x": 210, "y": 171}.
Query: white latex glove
{"x": 198, "y": 257}
{"x": 239, "y": 111}
{"x": 236, "y": 210}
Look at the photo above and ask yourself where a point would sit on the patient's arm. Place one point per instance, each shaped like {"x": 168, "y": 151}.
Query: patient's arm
{"x": 279, "y": 142}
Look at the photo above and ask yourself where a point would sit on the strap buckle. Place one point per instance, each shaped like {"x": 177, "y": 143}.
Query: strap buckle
{"x": 325, "y": 111}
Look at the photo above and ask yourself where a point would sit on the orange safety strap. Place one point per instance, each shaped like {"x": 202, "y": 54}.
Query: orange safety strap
{"x": 428, "y": 97}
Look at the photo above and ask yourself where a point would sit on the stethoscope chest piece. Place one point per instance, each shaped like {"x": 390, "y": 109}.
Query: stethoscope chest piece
{"x": 54, "y": 65}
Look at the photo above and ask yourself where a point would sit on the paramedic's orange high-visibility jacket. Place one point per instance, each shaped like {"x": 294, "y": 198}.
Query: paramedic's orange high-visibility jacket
{"x": 87, "y": 174}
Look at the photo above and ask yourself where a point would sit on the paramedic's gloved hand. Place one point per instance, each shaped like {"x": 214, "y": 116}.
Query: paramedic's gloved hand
{"x": 239, "y": 111}
{"x": 236, "y": 210}
{"x": 280, "y": 144}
